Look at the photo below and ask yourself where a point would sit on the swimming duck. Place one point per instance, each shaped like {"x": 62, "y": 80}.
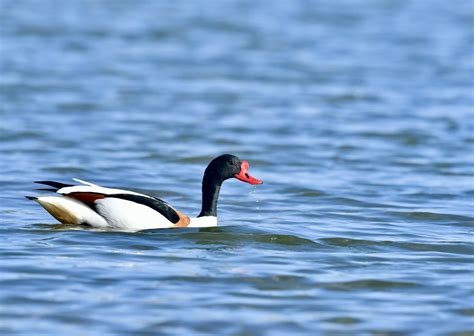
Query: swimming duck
{"x": 109, "y": 208}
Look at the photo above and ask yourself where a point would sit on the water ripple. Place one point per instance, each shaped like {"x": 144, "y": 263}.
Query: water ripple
{"x": 358, "y": 121}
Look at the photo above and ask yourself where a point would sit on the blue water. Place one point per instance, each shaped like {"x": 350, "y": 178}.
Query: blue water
{"x": 358, "y": 116}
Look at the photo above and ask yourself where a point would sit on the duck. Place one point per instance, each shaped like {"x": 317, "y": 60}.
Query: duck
{"x": 85, "y": 203}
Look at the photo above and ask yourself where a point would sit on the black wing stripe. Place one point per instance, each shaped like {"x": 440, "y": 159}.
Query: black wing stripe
{"x": 54, "y": 184}
{"x": 154, "y": 203}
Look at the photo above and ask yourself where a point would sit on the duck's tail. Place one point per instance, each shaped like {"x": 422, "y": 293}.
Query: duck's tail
{"x": 69, "y": 211}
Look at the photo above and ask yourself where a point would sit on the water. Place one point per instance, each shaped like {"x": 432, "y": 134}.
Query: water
{"x": 358, "y": 115}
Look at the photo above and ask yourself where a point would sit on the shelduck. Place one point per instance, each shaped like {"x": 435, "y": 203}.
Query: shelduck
{"x": 125, "y": 210}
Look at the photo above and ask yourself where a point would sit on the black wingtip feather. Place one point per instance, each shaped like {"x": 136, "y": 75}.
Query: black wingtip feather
{"x": 31, "y": 198}
{"x": 54, "y": 184}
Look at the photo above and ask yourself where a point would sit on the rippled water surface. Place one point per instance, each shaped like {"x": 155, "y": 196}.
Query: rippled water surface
{"x": 358, "y": 115}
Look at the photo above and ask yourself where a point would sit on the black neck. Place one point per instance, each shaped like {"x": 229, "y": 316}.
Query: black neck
{"x": 211, "y": 186}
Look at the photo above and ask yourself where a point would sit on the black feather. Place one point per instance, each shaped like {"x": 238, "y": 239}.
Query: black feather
{"x": 54, "y": 184}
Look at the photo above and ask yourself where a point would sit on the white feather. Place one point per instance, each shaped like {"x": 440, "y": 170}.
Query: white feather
{"x": 130, "y": 216}
{"x": 82, "y": 212}
{"x": 201, "y": 222}
{"x": 96, "y": 189}
{"x": 85, "y": 182}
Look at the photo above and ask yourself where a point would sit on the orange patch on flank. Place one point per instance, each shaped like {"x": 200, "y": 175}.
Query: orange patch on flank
{"x": 86, "y": 197}
{"x": 183, "y": 220}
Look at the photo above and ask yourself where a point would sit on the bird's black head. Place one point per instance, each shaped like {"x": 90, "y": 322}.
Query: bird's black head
{"x": 226, "y": 166}
{"x": 220, "y": 169}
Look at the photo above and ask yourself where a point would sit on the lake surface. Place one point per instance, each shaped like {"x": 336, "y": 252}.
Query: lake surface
{"x": 358, "y": 116}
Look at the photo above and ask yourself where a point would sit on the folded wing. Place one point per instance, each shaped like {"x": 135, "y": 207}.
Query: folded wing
{"x": 122, "y": 209}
